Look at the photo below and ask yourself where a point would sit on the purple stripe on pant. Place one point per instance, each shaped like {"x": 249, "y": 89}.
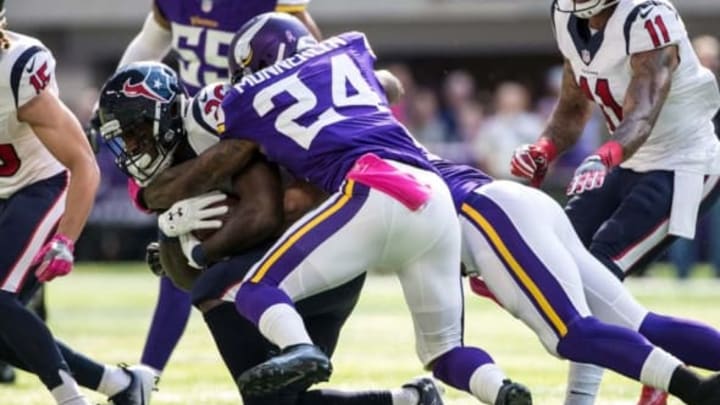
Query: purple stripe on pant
{"x": 587, "y": 340}
{"x": 254, "y": 298}
{"x": 525, "y": 257}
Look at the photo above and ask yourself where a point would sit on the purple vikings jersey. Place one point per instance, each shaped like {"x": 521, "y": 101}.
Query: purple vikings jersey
{"x": 460, "y": 179}
{"x": 318, "y": 111}
{"x": 202, "y": 31}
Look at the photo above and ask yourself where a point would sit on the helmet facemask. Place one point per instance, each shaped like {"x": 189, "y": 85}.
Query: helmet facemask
{"x": 140, "y": 149}
{"x": 584, "y": 10}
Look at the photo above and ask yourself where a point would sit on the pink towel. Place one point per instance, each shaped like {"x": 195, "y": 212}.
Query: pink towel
{"x": 376, "y": 173}
{"x": 134, "y": 191}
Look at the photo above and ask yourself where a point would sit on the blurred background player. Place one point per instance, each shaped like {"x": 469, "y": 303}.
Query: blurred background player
{"x": 48, "y": 178}
{"x": 130, "y": 132}
{"x": 685, "y": 253}
{"x": 199, "y": 33}
{"x": 647, "y": 185}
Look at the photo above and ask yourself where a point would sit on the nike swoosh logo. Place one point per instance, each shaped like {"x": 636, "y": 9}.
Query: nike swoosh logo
{"x": 32, "y": 67}
{"x": 646, "y": 13}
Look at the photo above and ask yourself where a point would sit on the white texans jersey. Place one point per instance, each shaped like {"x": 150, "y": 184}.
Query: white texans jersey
{"x": 28, "y": 68}
{"x": 683, "y": 137}
{"x": 202, "y": 115}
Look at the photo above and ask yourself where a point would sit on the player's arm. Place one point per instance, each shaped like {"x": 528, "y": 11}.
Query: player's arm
{"x": 175, "y": 265}
{"x": 571, "y": 113}
{"x": 309, "y": 22}
{"x": 256, "y": 217}
{"x": 649, "y": 86}
{"x": 206, "y": 172}
{"x": 564, "y": 128}
{"x": 61, "y": 133}
{"x": 298, "y": 9}
{"x": 152, "y": 42}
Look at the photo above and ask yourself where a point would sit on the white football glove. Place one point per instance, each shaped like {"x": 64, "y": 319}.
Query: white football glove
{"x": 193, "y": 214}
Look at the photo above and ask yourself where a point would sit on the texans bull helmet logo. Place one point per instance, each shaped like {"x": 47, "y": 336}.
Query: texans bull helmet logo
{"x": 153, "y": 86}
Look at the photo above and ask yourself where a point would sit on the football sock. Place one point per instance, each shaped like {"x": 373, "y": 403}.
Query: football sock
{"x": 583, "y": 383}
{"x": 405, "y": 396}
{"x": 590, "y": 341}
{"x": 114, "y": 379}
{"x": 30, "y": 339}
{"x": 282, "y": 325}
{"x": 172, "y": 311}
{"x": 486, "y": 382}
{"x": 86, "y": 372}
{"x": 672, "y": 334}
{"x": 472, "y": 370}
{"x": 658, "y": 369}
{"x": 67, "y": 393}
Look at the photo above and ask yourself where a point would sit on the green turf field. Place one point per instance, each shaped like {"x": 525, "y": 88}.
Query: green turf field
{"x": 104, "y": 311}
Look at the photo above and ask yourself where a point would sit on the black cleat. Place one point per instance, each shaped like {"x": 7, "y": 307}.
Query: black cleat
{"x": 513, "y": 394}
{"x": 7, "y": 373}
{"x": 297, "y": 364}
{"x": 708, "y": 393}
{"x": 429, "y": 391}
{"x": 142, "y": 383}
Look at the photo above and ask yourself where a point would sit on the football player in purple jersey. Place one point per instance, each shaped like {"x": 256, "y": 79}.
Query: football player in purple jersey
{"x": 320, "y": 111}
{"x": 263, "y": 205}
{"x": 537, "y": 269}
{"x": 198, "y": 32}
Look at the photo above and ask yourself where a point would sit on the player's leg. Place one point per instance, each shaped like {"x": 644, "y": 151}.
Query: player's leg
{"x": 171, "y": 315}
{"x": 610, "y": 302}
{"x": 550, "y": 279}
{"x": 328, "y": 246}
{"x": 27, "y": 219}
{"x": 426, "y": 249}
{"x": 242, "y": 347}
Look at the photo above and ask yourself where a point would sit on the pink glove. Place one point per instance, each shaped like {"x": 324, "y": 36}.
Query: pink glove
{"x": 55, "y": 258}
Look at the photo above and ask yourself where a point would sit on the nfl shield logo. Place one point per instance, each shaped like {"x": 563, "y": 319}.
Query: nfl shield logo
{"x": 585, "y": 54}
{"x": 206, "y": 5}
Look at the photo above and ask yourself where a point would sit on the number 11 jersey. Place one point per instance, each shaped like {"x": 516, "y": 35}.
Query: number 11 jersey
{"x": 316, "y": 112}
{"x": 683, "y": 136}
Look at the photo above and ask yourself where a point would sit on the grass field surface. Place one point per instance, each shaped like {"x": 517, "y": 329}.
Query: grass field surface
{"x": 104, "y": 311}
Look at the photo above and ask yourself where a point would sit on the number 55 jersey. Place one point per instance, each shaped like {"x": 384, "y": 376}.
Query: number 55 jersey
{"x": 683, "y": 136}
{"x": 202, "y": 31}
{"x": 27, "y": 68}
{"x": 318, "y": 111}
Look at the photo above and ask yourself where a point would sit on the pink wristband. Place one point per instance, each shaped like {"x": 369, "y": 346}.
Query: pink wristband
{"x": 547, "y": 145}
{"x": 134, "y": 191}
{"x": 611, "y": 153}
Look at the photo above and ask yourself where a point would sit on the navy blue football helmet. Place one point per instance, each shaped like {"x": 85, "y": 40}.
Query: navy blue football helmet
{"x": 265, "y": 40}
{"x": 140, "y": 114}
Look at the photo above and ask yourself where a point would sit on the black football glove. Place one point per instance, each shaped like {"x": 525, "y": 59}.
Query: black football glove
{"x": 152, "y": 258}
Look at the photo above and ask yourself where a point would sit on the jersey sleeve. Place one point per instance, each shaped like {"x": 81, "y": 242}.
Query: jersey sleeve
{"x": 652, "y": 25}
{"x": 32, "y": 73}
{"x": 291, "y": 6}
{"x": 204, "y": 115}
{"x": 359, "y": 43}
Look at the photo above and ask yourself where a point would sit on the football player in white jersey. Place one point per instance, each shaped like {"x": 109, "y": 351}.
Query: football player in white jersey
{"x": 48, "y": 178}
{"x": 199, "y": 33}
{"x": 647, "y": 185}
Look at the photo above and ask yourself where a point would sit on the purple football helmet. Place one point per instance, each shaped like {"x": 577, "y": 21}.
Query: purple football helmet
{"x": 265, "y": 40}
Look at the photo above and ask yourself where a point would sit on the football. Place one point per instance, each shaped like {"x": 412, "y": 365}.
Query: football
{"x": 230, "y": 202}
